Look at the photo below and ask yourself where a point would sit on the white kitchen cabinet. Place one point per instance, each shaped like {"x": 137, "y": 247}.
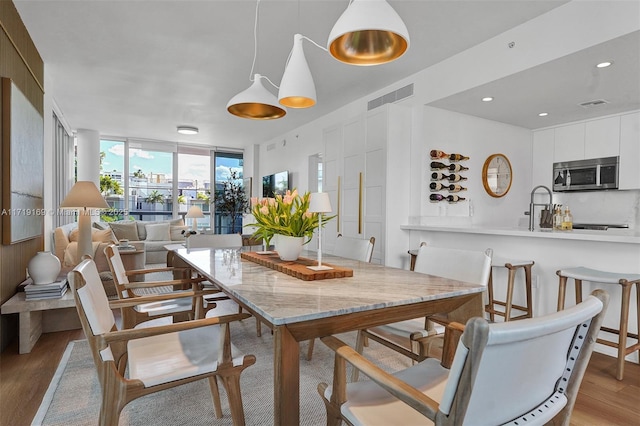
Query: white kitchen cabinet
{"x": 366, "y": 173}
{"x": 542, "y": 158}
{"x": 569, "y": 142}
{"x": 602, "y": 138}
{"x": 629, "y": 172}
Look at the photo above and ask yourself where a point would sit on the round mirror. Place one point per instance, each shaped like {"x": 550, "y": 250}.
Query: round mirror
{"x": 497, "y": 175}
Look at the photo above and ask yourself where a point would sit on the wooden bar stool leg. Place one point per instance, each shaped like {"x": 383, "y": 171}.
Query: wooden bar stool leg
{"x": 527, "y": 281}
{"x": 562, "y": 284}
{"x": 507, "y": 308}
{"x": 490, "y": 289}
{"x": 578, "y": 291}
{"x": 624, "y": 327}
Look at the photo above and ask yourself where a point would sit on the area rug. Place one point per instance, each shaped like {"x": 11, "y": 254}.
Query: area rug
{"x": 73, "y": 397}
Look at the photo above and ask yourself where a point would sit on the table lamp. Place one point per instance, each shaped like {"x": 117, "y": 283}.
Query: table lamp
{"x": 84, "y": 196}
{"x": 320, "y": 203}
{"x": 194, "y": 213}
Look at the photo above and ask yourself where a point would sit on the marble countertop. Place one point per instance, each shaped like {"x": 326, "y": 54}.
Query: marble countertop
{"x": 282, "y": 299}
{"x": 628, "y": 236}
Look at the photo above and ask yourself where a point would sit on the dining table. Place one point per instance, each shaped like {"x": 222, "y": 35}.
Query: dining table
{"x": 297, "y": 310}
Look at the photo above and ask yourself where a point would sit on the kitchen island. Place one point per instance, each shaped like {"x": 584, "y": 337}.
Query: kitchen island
{"x": 611, "y": 250}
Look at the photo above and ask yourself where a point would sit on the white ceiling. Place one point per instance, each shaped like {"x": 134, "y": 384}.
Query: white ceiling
{"x": 141, "y": 68}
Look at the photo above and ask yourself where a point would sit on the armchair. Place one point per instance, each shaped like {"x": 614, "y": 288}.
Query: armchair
{"x": 521, "y": 372}
{"x": 154, "y": 358}
{"x": 463, "y": 265}
{"x": 180, "y": 305}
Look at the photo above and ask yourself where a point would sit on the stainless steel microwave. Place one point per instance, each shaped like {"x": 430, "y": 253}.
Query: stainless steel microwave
{"x": 586, "y": 175}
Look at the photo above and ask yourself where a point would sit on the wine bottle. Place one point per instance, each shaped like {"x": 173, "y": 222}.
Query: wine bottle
{"x": 457, "y": 168}
{"x": 454, "y": 198}
{"x": 436, "y": 197}
{"x": 438, "y": 176}
{"x": 454, "y": 177}
{"x": 436, "y": 186}
{"x": 435, "y": 154}
{"x": 436, "y": 165}
{"x": 457, "y": 157}
{"x": 456, "y": 188}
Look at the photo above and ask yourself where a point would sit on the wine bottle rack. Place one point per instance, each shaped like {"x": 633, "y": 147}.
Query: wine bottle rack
{"x": 446, "y": 175}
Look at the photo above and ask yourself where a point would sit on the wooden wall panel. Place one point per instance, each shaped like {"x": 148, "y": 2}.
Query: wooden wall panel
{"x": 19, "y": 61}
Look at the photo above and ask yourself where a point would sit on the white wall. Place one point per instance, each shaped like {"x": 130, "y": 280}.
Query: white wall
{"x": 477, "y": 138}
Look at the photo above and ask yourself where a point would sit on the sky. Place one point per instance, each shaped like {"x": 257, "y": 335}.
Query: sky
{"x": 190, "y": 167}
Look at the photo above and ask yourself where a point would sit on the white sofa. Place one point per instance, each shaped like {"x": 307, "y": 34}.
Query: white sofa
{"x": 160, "y": 234}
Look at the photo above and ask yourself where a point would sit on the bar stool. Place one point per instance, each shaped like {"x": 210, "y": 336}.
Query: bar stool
{"x": 626, "y": 281}
{"x": 512, "y": 267}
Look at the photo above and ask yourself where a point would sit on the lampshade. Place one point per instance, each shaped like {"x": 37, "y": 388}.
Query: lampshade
{"x": 194, "y": 212}
{"x": 369, "y": 32}
{"x": 297, "y": 89}
{"x": 320, "y": 203}
{"x": 256, "y": 103}
{"x": 84, "y": 194}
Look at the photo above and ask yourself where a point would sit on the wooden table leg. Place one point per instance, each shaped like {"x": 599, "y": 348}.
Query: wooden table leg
{"x": 286, "y": 378}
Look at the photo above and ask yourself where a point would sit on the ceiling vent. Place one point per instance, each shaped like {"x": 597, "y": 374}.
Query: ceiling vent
{"x": 396, "y": 95}
{"x": 271, "y": 147}
{"x": 594, "y": 103}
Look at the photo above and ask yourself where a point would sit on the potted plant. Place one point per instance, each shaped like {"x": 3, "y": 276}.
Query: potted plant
{"x": 287, "y": 217}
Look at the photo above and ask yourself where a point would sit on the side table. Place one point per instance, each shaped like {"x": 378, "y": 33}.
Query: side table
{"x": 41, "y": 316}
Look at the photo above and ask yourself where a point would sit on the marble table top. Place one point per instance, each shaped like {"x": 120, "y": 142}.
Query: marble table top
{"x": 282, "y": 299}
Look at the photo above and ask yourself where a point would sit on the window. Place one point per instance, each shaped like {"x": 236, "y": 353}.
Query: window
{"x": 112, "y": 179}
{"x": 194, "y": 185}
{"x": 228, "y": 213}
{"x": 150, "y": 189}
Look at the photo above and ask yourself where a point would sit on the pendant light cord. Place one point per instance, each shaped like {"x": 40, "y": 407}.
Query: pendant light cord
{"x": 255, "y": 48}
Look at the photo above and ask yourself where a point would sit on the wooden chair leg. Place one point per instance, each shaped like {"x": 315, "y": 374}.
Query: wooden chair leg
{"x": 527, "y": 281}
{"x": 232, "y": 386}
{"x": 578, "y": 291}
{"x": 113, "y": 401}
{"x": 310, "y": 349}
{"x": 624, "y": 328}
{"x": 215, "y": 395}
{"x": 359, "y": 348}
{"x": 509, "y": 301}
{"x": 490, "y": 305}
{"x": 562, "y": 284}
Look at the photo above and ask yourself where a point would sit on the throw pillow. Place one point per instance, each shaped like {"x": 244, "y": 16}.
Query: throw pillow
{"x": 103, "y": 236}
{"x": 158, "y": 232}
{"x": 176, "y": 232}
{"x": 125, "y": 230}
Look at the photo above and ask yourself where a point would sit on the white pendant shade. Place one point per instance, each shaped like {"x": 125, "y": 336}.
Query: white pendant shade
{"x": 297, "y": 89}
{"x": 256, "y": 103}
{"x": 369, "y": 32}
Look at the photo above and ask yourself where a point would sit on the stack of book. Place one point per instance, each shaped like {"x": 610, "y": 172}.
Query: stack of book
{"x": 54, "y": 290}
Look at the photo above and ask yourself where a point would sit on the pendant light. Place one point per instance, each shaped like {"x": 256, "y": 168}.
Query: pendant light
{"x": 297, "y": 89}
{"x": 256, "y": 102}
{"x": 369, "y": 32}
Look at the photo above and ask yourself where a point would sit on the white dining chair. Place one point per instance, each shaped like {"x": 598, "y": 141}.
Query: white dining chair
{"x": 513, "y": 373}
{"x": 134, "y": 363}
{"x": 354, "y": 248}
{"x": 470, "y": 266}
{"x": 350, "y": 248}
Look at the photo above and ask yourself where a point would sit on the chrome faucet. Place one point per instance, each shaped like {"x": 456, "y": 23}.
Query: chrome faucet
{"x": 533, "y": 205}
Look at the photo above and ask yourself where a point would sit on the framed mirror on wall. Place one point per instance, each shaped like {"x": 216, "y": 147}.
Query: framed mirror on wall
{"x": 497, "y": 175}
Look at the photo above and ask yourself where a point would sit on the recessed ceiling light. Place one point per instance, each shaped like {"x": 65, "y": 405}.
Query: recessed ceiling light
{"x": 187, "y": 130}
{"x": 487, "y": 99}
{"x": 604, "y": 64}
{"x": 543, "y": 114}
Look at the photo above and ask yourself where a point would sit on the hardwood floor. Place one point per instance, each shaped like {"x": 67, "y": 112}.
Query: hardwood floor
{"x": 24, "y": 379}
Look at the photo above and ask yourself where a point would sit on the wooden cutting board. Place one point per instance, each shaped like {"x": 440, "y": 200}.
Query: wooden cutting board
{"x": 297, "y": 268}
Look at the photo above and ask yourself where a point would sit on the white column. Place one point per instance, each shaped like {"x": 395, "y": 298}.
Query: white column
{"x": 88, "y": 143}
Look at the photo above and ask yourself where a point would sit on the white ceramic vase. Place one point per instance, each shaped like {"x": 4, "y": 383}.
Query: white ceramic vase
{"x": 288, "y": 248}
{"x": 44, "y": 268}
